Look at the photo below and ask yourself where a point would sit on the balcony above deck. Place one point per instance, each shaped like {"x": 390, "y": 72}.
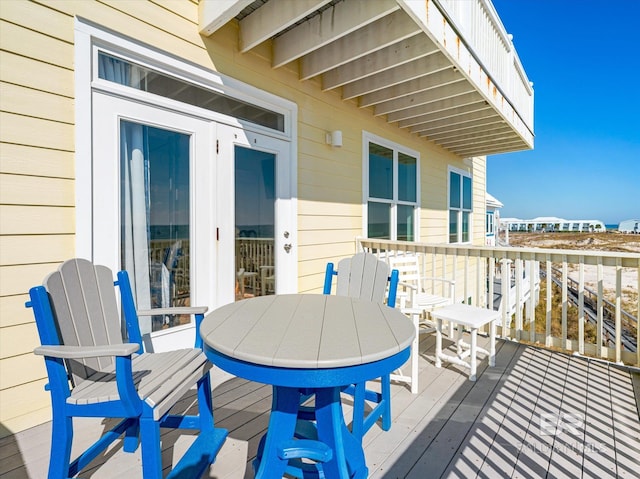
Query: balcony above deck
{"x": 446, "y": 71}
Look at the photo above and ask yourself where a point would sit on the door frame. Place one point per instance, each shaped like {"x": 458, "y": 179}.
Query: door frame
{"x": 89, "y": 38}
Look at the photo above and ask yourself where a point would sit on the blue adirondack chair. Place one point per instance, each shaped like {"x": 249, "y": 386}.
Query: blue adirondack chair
{"x": 94, "y": 372}
{"x": 366, "y": 277}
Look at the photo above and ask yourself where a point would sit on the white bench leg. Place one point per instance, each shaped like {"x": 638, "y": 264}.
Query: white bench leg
{"x": 415, "y": 354}
{"x": 492, "y": 345}
{"x": 473, "y": 359}
{"x": 438, "y": 342}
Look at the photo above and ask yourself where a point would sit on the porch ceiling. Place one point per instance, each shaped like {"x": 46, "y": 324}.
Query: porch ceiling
{"x": 386, "y": 56}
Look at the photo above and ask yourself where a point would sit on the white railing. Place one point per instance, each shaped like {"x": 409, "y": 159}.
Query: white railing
{"x": 479, "y": 26}
{"x": 585, "y": 323}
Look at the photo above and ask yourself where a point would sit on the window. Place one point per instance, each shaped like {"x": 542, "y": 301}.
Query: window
{"x": 489, "y": 223}
{"x": 391, "y": 190}
{"x": 460, "y": 206}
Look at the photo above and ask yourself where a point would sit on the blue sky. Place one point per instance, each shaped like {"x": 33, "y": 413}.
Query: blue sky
{"x": 583, "y": 57}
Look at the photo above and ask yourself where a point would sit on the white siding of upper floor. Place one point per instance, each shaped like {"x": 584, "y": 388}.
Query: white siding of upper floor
{"x": 37, "y": 168}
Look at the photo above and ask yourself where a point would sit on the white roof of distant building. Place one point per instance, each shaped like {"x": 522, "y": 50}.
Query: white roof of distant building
{"x": 493, "y": 202}
{"x": 549, "y": 219}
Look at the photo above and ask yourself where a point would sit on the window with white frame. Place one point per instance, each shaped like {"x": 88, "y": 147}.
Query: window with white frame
{"x": 489, "y": 223}
{"x": 460, "y": 206}
{"x": 392, "y": 192}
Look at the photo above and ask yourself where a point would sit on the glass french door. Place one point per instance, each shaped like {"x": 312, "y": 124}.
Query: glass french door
{"x": 259, "y": 227}
{"x": 197, "y": 212}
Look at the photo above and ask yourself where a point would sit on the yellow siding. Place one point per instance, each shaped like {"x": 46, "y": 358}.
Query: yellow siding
{"x": 29, "y": 160}
{"x": 13, "y": 311}
{"x": 37, "y": 75}
{"x": 37, "y": 167}
{"x": 25, "y": 130}
{"x": 36, "y": 103}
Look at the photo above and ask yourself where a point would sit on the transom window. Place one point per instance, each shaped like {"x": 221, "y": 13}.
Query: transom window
{"x": 460, "y": 206}
{"x": 127, "y": 73}
{"x": 391, "y": 190}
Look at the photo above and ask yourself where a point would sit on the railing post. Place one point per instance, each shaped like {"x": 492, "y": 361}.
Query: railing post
{"x": 519, "y": 302}
{"x": 565, "y": 301}
{"x": 581, "y": 305}
{"x": 531, "y": 304}
{"x": 547, "y": 329}
{"x": 506, "y": 297}
{"x": 618, "y": 309}
{"x": 601, "y": 350}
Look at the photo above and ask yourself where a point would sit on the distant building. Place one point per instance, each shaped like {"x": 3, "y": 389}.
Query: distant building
{"x": 552, "y": 224}
{"x": 629, "y": 226}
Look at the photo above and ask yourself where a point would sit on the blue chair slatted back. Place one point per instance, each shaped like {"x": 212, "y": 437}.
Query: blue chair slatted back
{"x": 363, "y": 276}
{"x": 77, "y": 306}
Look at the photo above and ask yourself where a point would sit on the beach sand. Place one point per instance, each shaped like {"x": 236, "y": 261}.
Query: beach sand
{"x": 618, "y": 242}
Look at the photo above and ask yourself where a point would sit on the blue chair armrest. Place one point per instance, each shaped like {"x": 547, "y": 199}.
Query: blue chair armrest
{"x": 82, "y": 352}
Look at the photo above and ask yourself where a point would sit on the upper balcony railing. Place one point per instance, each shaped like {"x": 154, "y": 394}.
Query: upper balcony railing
{"x": 479, "y": 26}
{"x": 549, "y": 302}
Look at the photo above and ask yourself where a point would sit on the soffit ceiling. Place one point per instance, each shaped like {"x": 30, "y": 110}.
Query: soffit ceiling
{"x": 375, "y": 53}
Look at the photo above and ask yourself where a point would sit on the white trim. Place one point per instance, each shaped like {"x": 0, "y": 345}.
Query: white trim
{"x": 367, "y": 138}
{"x": 83, "y": 159}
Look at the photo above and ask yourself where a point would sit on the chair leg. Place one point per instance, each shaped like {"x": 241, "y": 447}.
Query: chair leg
{"x": 386, "y": 400}
{"x": 357, "y": 424}
{"x": 132, "y": 437}
{"x": 151, "y": 456}
{"x": 61, "y": 438}
{"x": 205, "y": 403}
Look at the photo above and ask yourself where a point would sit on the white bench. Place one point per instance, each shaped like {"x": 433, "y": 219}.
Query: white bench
{"x": 472, "y": 318}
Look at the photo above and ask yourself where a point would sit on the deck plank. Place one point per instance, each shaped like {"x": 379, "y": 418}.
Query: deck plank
{"x": 508, "y": 418}
{"x": 600, "y": 460}
{"x": 567, "y": 454}
{"x": 473, "y": 450}
{"x": 626, "y": 428}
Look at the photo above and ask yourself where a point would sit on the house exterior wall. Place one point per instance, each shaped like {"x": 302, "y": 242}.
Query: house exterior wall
{"x": 37, "y": 171}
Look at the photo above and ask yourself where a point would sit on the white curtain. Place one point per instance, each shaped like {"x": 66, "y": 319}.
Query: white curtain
{"x": 134, "y": 189}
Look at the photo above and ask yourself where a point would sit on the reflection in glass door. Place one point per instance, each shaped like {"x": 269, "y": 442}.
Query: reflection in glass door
{"x": 155, "y": 224}
{"x": 255, "y": 194}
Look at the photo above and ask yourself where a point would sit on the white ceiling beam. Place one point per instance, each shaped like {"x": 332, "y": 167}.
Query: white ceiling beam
{"x": 427, "y": 82}
{"x": 463, "y": 119}
{"x": 437, "y": 94}
{"x": 442, "y": 138}
{"x": 213, "y": 14}
{"x": 462, "y": 128}
{"x": 444, "y": 105}
{"x": 395, "y": 76}
{"x": 461, "y": 142}
{"x": 272, "y": 18}
{"x": 364, "y": 41}
{"x": 463, "y": 96}
{"x": 444, "y": 112}
{"x": 332, "y": 24}
{"x": 499, "y": 148}
{"x": 444, "y": 93}
{"x": 471, "y": 132}
{"x": 392, "y": 56}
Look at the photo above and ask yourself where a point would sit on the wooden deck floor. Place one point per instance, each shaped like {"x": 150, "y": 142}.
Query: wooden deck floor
{"x": 504, "y": 425}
